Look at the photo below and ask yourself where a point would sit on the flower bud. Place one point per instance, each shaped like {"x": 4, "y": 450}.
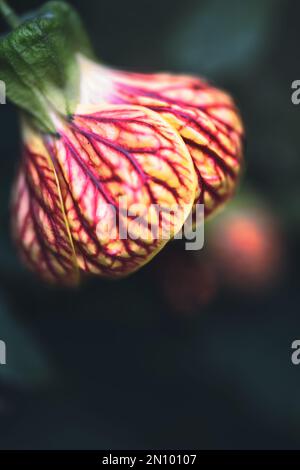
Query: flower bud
{"x": 113, "y": 162}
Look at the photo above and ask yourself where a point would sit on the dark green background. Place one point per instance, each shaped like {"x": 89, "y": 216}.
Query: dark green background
{"x": 110, "y": 365}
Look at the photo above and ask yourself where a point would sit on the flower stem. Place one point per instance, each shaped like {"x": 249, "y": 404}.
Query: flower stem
{"x": 9, "y": 15}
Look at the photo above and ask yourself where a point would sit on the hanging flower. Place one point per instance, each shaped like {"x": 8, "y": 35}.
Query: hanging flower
{"x": 113, "y": 162}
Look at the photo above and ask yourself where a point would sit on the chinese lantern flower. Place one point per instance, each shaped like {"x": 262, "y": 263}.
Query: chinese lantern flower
{"x": 251, "y": 243}
{"x": 103, "y": 148}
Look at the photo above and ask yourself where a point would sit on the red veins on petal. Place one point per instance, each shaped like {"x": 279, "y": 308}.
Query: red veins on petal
{"x": 205, "y": 117}
{"x": 39, "y": 223}
{"x": 119, "y": 163}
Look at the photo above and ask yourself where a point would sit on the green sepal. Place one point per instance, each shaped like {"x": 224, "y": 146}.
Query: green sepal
{"x": 38, "y": 62}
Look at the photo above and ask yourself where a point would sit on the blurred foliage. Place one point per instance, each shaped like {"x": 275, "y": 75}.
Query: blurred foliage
{"x": 224, "y": 39}
{"x": 128, "y": 370}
